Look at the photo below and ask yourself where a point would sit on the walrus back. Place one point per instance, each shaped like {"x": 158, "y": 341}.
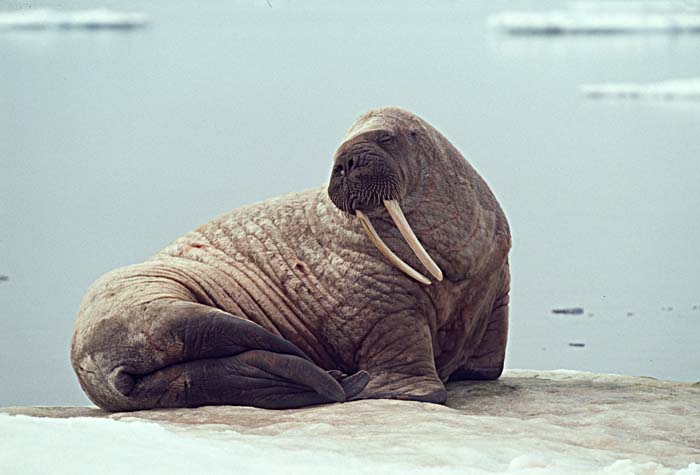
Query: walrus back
{"x": 141, "y": 329}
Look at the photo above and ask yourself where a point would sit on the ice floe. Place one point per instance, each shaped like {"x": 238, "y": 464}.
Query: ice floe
{"x": 594, "y": 18}
{"x": 528, "y": 422}
{"x": 41, "y": 19}
{"x": 676, "y": 89}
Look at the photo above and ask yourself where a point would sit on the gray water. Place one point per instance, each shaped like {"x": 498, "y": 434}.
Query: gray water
{"x": 114, "y": 143}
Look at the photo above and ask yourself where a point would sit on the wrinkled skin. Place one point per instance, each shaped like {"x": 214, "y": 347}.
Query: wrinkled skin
{"x": 286, "y": 303}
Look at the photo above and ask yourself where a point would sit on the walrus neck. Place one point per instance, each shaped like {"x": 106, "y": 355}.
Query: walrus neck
{"x": 455, "y": 215}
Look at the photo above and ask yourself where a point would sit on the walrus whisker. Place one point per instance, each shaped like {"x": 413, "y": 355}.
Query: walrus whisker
{"x": 392, "y": 206}
{"x": 384, "y": 249}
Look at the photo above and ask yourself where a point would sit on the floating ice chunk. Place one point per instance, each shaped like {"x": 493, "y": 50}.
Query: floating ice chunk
{"x": 41, "y": 19}
{"x": 568, "y": 311}
{"x": 676, "y": 89}
{"x": 563, "y": 22}
{"x": 593, "y": 18}
{"x": 649, "y": 6}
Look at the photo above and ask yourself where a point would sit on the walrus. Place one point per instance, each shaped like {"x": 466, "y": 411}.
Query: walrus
{"x": 387, "y": 283}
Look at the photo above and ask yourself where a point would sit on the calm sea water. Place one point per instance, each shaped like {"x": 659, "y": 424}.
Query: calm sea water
{"x": 112, "y": 144}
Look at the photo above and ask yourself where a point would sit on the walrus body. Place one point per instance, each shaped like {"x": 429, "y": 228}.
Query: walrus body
{"x": 275, "y": 304}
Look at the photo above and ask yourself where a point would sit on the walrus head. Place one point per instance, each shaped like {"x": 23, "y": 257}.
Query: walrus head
{"x": 372, "y": 169}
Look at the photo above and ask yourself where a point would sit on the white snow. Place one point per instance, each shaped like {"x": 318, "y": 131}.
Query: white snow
{"x": 526, "y": 423}
{"x": 603, "y": 18}
{"x": 39, "y": 19}
{"x": 675, "y": 89}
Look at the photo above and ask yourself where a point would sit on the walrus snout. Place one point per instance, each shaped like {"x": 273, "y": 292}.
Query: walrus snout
{"x": 365, "y": 173}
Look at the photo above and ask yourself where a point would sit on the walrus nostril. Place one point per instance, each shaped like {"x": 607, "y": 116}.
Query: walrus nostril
{"x": 350, "y": 164}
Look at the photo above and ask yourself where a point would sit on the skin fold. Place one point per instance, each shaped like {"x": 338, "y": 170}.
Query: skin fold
{"x": 287, "y": 303}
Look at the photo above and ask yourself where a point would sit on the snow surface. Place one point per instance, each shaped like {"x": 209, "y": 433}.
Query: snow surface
{"x": 593, "y": 18}
{"x": 39, "y": 19}
{"x": 676, "y": 89}
{"x": 525, "y": 423}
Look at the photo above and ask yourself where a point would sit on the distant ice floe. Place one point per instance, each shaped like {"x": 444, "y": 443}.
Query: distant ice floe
{"x": 42, "y": 19}
{"x": 676, "y": 89}
{"x": 568, "y": 311}
{"x": 596, "y": 18}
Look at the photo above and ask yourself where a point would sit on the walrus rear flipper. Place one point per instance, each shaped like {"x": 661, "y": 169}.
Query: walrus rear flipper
{"x": 172, "y": 353}
{"x": 252, "y": 378}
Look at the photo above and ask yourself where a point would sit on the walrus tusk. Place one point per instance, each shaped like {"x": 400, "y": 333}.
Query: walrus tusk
{"x": 384, "y": 249}
{"x": 392, "y": 206}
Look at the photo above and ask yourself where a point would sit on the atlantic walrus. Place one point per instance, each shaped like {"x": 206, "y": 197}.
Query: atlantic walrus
{"x": 287, "y": 303}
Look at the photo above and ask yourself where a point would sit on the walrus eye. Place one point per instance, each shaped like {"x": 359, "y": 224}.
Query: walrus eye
{"x": 386, "y": 139}
{"x": 397, "y": 215}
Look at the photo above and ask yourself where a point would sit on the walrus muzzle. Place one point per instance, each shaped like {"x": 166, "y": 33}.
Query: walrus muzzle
{"x": 392, "y": 206}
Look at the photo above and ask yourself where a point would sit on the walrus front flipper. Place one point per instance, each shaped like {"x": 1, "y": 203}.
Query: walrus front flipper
{"x": 398, "y": 356}
{"x": 486, "y": 362}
